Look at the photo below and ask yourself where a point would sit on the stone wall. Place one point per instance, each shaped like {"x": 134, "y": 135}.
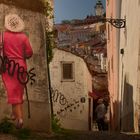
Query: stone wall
{"x": 38, "y": 92}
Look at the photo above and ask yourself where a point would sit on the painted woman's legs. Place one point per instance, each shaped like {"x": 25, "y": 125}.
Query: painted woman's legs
{"x": 17, "y": 110}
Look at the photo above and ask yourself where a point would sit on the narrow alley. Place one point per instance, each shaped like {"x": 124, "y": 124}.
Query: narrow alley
{"x": 83, "y": 75}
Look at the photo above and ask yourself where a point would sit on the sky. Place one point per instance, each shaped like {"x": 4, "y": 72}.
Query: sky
{"x": 73, "y": 9}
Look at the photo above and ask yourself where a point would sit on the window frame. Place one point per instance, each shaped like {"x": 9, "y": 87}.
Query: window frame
{"x": 73, "y": 71}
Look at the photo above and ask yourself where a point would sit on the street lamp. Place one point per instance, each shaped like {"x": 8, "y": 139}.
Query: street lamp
{"x": 117, "y": 23}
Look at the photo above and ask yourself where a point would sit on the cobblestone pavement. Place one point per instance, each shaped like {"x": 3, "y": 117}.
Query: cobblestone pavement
{"x": 80, "y": 136}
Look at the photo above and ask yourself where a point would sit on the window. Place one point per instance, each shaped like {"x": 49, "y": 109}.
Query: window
{"x": 112, "y": 63}
{"x": 108, "y": 34}
{"x": 67, "y": 71}
{"x": 109, "y": 69}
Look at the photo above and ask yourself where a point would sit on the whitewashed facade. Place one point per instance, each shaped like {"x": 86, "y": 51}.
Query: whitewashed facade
{"x": 124, "y": 65}
{"x": 71, "y": 102}
{"x": 130, "y": 66}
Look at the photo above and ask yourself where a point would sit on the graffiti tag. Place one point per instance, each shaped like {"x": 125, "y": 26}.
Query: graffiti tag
{"x": 13, "y": 67}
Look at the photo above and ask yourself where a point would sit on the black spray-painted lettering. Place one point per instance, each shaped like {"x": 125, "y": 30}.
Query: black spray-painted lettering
{"x": 11, "y": 67}
{"x": 58, "y": 97}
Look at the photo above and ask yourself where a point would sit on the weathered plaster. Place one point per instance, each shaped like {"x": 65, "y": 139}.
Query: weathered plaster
{"x": 38, "y": 92}
{"x": 73, "y": 114}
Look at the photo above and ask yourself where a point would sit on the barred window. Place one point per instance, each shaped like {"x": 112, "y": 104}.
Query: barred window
{"x": 67, "y": 71}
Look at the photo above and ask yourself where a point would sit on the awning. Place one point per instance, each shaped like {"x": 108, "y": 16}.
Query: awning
{"x": 96, "y": 94}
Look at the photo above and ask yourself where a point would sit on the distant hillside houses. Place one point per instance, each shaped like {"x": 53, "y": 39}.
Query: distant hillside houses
{"x": 76, "y": 31}
{"x": 87, "y": 41}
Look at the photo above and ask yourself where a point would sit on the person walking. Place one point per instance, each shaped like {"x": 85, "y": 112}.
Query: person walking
{"x": 16, "y": 48}
{"x": 100, "y": 115}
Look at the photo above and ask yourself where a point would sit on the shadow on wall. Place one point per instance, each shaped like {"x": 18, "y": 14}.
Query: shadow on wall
{"x": 127, "y": 120}
{"x": 123, "y": 118}
{"x": 114, "y": 118}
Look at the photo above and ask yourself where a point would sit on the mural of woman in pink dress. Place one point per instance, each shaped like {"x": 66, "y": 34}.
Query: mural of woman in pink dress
{"x": 17, "y": 48}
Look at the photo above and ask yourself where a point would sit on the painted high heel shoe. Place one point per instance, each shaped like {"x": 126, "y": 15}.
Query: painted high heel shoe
{"x": 19, "y": 124}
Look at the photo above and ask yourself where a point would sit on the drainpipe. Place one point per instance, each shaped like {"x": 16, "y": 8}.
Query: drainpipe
{"x": 49, "y": 80}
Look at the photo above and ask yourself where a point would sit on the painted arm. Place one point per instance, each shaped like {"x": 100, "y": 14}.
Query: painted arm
{"x": 28, "y": 49}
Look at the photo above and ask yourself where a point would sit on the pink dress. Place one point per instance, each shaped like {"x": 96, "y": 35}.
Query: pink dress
{"x": 17, "y": 48}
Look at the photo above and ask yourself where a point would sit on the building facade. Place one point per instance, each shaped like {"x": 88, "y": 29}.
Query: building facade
{"x": 35, "y": 28}
{"x": 129, "y": 66}
{"x": 112, "y": 8}
{"x": 71, "y": 82}
{"x": 68, "y": 34}
{"x": 123, "y": 65}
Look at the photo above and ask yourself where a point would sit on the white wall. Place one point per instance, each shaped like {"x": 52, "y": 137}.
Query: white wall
{"x": 72, "y": 91}
{"x": 130, "y": 42}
